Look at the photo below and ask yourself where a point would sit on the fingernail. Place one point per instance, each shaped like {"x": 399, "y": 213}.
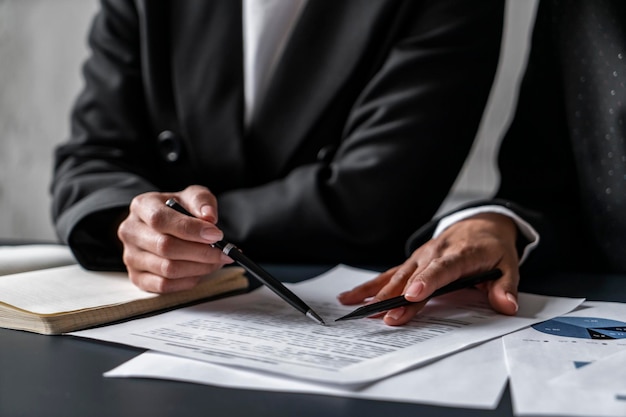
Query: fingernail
{"x": 513, "y": 300}
{"x": 211, "y": 234}
{"x": 395, "y": 314}
{"x": 415, "y": 289}
{"x": 341, "y": 295}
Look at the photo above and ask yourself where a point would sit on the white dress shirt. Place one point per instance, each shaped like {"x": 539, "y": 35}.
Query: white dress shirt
{"x": 267, "y": 24}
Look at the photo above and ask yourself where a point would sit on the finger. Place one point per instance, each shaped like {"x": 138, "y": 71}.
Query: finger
{"x": 446, "y": 269}
{"x": 138, "y": 234}
{"x": 157, "y": 284}
{"x": 150, "y": 208}
{"x": 138, "y": 260}
{"x": 166, "y": 221}
{"x": 402, "y": 315}
{"x": 368, "y": 289}
{"x": 437, "y": 273}
{"x": 200, "y": 202}
{"x": 397, "y": 282}
{"x": 171, "y": 247}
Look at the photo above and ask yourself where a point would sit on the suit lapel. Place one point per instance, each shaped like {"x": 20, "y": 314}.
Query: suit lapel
{"x": 326, "y": 45}
{"x": 329, "y": 41}
{"x": 208, "y": 77}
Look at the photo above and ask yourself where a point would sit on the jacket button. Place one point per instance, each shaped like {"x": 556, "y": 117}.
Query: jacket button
{"x": 170, "y": 146}
{"x": 326, "y": 154}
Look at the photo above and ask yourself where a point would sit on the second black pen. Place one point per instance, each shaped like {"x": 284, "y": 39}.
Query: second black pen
{"x": 399, "y": 301}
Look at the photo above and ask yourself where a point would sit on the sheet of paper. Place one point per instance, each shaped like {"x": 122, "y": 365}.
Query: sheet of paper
{"x": 260, "y": 331}
{"x": 607, "y": 374}
{"x": 473, "y": 378}
{"x": 22, "y": 258}
{"x": 543, "y": 356}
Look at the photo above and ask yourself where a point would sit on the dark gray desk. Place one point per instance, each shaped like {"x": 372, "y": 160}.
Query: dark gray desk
{"x": 62, "y": 375}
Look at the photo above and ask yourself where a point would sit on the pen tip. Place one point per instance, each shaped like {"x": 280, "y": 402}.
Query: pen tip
{"x": 315, "y": 317}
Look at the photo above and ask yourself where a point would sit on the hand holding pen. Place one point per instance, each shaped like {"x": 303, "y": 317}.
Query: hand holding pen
{"x": 401, "y": 301}
{"x": 257, "y": 271}
{"x": 476, "y": 244}
{"x": 164, "y": 254}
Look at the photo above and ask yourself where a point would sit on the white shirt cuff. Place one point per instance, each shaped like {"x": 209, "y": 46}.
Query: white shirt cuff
{"x": 524, "y": 227}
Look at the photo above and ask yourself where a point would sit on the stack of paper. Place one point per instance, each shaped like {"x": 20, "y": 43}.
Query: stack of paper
{"x": 256, "y": 341}
{"x": 473, "y": 378}
{"x": 572, "y": 365}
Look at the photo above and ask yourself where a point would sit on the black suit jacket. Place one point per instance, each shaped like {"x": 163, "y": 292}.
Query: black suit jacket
{"x": 545, "y": 157}
{"x": 367, "y": 120}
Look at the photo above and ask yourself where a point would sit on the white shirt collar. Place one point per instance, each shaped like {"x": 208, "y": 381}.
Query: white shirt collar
{"x": 267, "y": 24}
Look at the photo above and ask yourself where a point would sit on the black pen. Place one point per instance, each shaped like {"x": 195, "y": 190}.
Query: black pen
{"x": 400, "y": 301}
{"x": 259, "y": 273}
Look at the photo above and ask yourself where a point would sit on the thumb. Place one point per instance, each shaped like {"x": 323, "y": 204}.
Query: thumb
{"x": 201, "y": 202}
{"x": 502, "y": 293}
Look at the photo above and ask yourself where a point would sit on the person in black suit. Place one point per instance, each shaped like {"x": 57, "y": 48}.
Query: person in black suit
{"x": 367, "y": 117}
{"x": 562, "y": 166}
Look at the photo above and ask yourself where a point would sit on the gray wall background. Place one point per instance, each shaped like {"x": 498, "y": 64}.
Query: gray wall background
{"x": 42, "y": 46}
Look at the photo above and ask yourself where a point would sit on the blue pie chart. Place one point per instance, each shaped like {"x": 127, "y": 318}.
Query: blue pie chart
{"x": 583, "y": 328}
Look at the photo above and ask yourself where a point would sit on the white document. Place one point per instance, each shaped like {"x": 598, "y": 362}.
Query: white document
{"x": 473, "y": 378}
{"x": 571, "y": 365}
{"x": 22, "y": 258}
{"x": 260, "y": 331}
{"x": 607, "y": 374}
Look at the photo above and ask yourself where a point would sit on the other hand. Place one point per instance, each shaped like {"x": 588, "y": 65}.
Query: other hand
{"x": 476, "y": 244}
